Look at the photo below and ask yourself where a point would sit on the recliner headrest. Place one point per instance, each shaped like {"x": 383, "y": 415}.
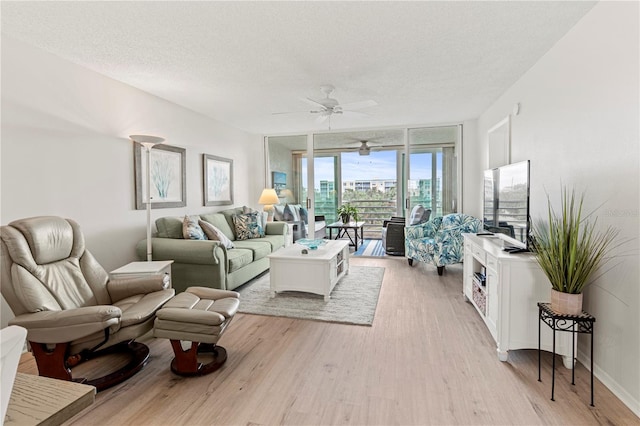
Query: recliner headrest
{"x": 50, "y": 238}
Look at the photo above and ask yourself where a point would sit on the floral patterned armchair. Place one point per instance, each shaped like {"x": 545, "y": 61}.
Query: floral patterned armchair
{"x": 439, "y": 240}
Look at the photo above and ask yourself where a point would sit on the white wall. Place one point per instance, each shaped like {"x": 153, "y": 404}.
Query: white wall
{"x": 579, "y": 126}
{"x": 66, "y": 151}
{"x": 472, "y": 168}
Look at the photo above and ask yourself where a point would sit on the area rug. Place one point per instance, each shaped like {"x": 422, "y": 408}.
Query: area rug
{"x": 370, "y": 248}
{"x": 353, "y": 299}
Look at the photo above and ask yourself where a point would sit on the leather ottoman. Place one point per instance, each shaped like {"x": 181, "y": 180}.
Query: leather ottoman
{"x": 199, "y": 315}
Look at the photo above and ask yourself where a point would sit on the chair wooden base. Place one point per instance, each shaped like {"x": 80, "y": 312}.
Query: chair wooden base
{"x": 186, "y": 362}
{"x": 56, "y": 363}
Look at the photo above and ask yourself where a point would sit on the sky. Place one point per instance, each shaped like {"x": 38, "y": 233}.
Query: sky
{"x": 377, "y": 165}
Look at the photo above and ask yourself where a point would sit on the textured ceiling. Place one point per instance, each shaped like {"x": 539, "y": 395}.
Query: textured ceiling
{"x": 239, "y": 62}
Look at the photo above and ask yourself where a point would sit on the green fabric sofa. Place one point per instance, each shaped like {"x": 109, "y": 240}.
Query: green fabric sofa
{"x": 208, "y": 263}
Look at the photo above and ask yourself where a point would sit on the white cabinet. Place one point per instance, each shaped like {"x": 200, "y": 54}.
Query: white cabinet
{"x": 507, "y": 299}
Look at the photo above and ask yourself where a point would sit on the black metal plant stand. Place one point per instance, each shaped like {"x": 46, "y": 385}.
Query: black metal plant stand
{"x": 582, "y": 323}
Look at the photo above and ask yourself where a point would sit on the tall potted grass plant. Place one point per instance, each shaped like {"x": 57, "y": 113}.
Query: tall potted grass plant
{"x": 569, "y": 249}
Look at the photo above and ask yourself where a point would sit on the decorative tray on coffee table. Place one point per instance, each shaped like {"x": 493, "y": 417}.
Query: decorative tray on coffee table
{"x": 310, "y": 243}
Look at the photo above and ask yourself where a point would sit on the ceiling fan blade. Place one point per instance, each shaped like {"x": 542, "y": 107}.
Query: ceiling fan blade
{"x": 313, "y": 103}
{"x": 355, "y": 113}
{"x": 357, "y": 105}
{"x": 322, "y": 118}
{"x": 288, "y": 112}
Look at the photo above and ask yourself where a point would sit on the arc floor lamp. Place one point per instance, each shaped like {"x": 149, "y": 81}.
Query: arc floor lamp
{"x": 148, "y": 142}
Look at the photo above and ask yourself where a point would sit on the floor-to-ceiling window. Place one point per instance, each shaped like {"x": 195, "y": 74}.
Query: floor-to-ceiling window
{"x": 433, "y": 169}
{"x": 367, "y": 169}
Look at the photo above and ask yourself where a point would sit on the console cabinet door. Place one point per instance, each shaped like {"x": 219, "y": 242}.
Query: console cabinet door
{"x": 468, "y": 270}
{"x": 493, "y": 304}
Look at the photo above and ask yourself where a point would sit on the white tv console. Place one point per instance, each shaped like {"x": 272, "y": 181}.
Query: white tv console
{"x": 507, "y": 302}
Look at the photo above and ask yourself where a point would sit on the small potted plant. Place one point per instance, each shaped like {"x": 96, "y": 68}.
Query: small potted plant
{"x": 569, "y": 249}
{"x": 346, "y": 212}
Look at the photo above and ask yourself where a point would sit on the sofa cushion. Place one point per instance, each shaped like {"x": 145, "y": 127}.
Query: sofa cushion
{"x": 228, "y": 215}
{"x": 259, "y": 247}
{"x": 219, "y": 221}
{"x": 215, "y": 234}
{"x": 169, "y": 227}
{"x": 247, "y": 226}
{"x": 276, "y": 241}
{"x": 191, "y": 230}
{"x": 238, "y": 258}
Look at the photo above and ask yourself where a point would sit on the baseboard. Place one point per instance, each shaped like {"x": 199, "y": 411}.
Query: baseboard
{"x": 624, "y": 396}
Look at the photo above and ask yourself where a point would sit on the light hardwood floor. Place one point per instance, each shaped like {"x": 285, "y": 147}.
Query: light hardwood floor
{"x": 427, "y": 359}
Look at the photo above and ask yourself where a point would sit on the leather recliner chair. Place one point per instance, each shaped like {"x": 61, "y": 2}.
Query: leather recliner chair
{"x": 65, "y": 300}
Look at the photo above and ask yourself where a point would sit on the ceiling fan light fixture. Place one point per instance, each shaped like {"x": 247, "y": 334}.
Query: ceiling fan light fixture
{"x": 364, "y": 150}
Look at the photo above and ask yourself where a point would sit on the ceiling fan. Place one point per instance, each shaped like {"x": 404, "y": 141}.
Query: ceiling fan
{"x": 328, "y": 106}
{"x": 364, "y": 148}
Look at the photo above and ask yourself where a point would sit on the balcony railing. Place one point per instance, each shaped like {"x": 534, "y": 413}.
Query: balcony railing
{"x": 371, "y": 212}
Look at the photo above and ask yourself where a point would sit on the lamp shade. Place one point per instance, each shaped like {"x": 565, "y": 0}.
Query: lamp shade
{"x": 146, "y": 139}
{"x": 287, "y": 195}
{"x": 268, "y": 196}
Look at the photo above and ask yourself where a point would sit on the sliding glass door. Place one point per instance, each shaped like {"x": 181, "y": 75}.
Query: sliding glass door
{"x": 325, "y": 180}
{"x": 383, "y": 173}
{"x": 432, "y": 180}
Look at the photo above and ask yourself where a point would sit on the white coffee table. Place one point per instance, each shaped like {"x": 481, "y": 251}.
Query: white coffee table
{"x": 316, "y": 272}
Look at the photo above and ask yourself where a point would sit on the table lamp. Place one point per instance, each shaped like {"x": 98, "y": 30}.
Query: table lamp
{"x": 269, "y": 197}
{"x": 286, "y": 195}
{"x": 148, "y": 142}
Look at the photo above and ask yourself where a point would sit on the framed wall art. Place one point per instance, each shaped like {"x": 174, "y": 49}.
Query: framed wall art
{"x": 167, "y": 173}
{"x": 218, "y": 180}
{"x": 279, "y": 180}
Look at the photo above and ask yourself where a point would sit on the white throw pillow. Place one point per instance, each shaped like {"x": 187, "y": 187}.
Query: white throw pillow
{"x": 416, "y": 215}
{"x": 215, "y": 234}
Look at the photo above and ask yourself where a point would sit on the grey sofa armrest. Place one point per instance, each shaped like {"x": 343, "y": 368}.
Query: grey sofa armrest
{"x": 276, "y": 228}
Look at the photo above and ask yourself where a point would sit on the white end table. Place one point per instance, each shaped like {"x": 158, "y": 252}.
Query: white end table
{"x": 141, "y": 269}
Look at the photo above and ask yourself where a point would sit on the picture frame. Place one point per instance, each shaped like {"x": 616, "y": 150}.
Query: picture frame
{"x": 168, "y": 176}
{"x": 279, "y": 181}
{"x": 217, "y": 180}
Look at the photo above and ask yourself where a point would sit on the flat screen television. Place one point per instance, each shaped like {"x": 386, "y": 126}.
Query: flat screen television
{"x": 506, "y": 202}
